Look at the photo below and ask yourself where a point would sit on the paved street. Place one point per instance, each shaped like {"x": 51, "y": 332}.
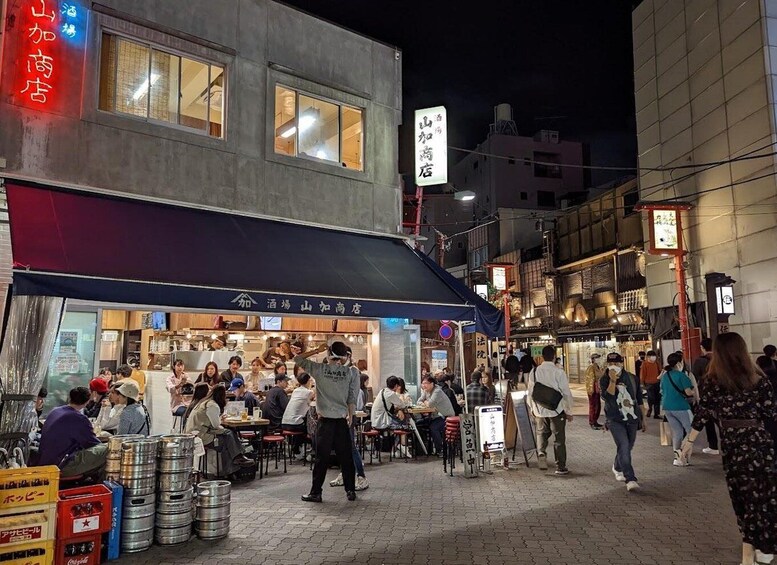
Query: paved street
{"x": 412, "y": 513}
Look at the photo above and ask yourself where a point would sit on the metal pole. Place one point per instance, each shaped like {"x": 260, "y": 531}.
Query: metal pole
{"x": 419, "y": 196}
{"x": 682, "y": 302}
{"x": 460, "y": 342}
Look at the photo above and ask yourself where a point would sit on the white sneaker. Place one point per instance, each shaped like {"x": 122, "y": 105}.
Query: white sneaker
{"x": 764, "y": 558}
{"x": 632, "y": 485}
{"x": 679, "y": 463}
{"x": 299, "y": 457}
{"x": 618, "y": 475}
{"x": 710, "y": 451}
{"x": 338, "y": 482}
{"x": 361, "y": 483}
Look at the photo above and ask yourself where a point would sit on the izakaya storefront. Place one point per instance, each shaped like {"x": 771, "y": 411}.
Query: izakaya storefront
{"x": 80, "y": 254}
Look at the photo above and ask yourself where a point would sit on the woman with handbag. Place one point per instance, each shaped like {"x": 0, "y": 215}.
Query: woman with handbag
{"x": 676, "y": 397}
{"x": 744, "y": 402}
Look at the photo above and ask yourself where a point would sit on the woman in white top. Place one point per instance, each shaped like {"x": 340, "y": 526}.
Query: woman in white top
{"x": 252, "y": 379}
{"x": 297, "y": 409}
{"x": 205, "y": 421}
{"x": 387, "y": 407}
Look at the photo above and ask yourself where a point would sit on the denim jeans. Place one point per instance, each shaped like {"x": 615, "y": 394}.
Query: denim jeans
{"x": 680, "y": 422}
{"x": 437, "y": 428}
{"x": 556, "y": 427}
{"x": 624, "y": 434}
{"x": 357, "y": 458}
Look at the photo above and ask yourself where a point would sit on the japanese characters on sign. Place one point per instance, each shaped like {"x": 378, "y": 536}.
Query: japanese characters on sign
{"x": 725, "y": 299}
{"x": 490, "y": 426}
{"x": 481, "y": 350}
{"x": 328, "y": 307}
{"x": 41, "y": 54}
{"x": 469, "y": 447}
{"x": 665, "y": 232}
{"x": 499, "y": 278}
{"x": 431, "y": 146}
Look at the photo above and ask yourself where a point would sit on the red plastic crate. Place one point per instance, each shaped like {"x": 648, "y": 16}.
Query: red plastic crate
{"x": 83, "y": 550}
{"x": 84, "y": 511}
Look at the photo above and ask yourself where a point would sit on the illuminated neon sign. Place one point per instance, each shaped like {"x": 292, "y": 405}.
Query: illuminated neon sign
{"x": 47, "y": 33}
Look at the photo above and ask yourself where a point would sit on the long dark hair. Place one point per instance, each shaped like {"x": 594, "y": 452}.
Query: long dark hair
{"x": 363, "y": 381}
{"x": 731, "y": 366}
{"x": 201, "y": 390}
{"x": 204, "y": 375}
{"x": 218, "y": 395}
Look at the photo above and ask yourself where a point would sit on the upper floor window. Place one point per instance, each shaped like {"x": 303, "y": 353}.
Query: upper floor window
{"x": 138, "y": 79}
{"x": 547, "y": 165}
{"x": 313, "y": 128}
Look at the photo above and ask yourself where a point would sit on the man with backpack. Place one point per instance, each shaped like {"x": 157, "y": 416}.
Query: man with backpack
{"x": 550, "y": 400}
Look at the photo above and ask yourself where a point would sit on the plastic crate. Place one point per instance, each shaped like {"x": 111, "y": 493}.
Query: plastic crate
{"x": 83, "y": 550}
{"x": 113, "y": 538}
{"x": 28, "y": 487}
{"x": 84, "y": 511}
{"x": 38, "y": 553}
{"x": 28, "y": 524}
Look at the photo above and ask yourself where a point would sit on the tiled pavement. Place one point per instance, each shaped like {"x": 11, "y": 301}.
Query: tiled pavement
{"x": 413, "y": 513}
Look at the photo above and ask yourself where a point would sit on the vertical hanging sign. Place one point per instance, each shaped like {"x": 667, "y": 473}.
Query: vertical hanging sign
{"x": 42, "y": 65}
{"x": 431, "y": 146}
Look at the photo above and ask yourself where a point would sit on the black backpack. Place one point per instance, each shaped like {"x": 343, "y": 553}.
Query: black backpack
{"x": 452, "y": 397}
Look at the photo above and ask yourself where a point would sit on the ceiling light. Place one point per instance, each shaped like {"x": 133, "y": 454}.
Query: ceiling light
{"x": 143, "y": 89}
{"x": 289, "y": 132}
{"x": 310, "y": 338}
{"x": 305, "y": 121}
{"x": 464, "y": 195}
{"x": 213, "y": 336}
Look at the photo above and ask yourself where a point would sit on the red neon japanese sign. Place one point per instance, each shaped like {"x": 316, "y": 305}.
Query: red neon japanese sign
{"x": 43, "y": 58}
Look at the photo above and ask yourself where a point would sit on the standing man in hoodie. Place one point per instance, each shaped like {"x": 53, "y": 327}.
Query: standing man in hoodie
{"x": 648, "y": 375}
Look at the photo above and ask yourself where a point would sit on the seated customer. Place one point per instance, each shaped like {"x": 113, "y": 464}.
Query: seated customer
{"x": 134, "y": 418}
{"x": 180, "y": 389}
{"x": 242, "y": 394}
{"x": 68, "y": 440}
{"x": 275, "y": 402}
{"x": 252, "y": 379}
{"x": 297, "y": 409}
{"x": 434, "y": 397}
{"x": 99, "y": 392}
{"x": 231, "y": 373}
{"x": 387, "y": 407}
{"x": 477, "y": 393}
{"x": 110, "y": 411}
{"x": 201, "y": 390}
{"x": 205, "y": 421}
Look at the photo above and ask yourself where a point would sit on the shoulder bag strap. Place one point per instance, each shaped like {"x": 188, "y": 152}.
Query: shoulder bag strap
{"x": 680, "y": 392}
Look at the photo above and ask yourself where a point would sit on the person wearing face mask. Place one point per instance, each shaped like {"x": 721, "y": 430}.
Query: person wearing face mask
{"x": 676, "y": 392}
{"x": 622, "y": 396}
{"x": 648, "y": 375}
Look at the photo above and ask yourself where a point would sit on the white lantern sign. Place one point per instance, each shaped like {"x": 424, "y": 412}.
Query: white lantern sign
{"x": 431, "y": 146}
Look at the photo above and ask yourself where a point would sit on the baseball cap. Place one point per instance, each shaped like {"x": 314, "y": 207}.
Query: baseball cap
{"x": 98, "y": 385}
{"x": 236, "y": 384}
{"x": 595, "y": 356}
{"x": 614, "y": 358}
{"x": 129, "y": 388}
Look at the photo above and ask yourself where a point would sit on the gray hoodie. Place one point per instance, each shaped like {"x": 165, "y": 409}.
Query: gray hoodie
{"x": 337, "y": 386}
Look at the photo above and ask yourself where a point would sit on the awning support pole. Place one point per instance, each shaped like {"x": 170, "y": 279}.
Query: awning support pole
{"x": 460, "y": 354}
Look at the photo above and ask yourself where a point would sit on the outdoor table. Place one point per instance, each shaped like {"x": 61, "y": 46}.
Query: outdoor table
{"x": 259, "y": 426}
{"x": 421, "y": 410}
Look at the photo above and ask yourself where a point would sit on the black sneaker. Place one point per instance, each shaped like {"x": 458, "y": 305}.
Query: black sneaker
{"x": 596, "y": 426}
{"x": 562, "y": 471}
{"x": 311, "y": 497}
{"x": 351, "y": 495}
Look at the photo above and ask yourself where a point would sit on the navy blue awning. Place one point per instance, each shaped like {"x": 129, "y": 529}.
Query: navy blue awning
{"x": 120, "y": 250}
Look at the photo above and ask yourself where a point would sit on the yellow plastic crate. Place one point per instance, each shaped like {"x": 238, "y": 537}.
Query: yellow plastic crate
{"x": 39, "y": 553}
{"x": 28, "y": 524}
{"x": 28, "y": 487}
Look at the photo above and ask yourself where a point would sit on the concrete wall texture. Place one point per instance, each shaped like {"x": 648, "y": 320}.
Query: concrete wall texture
{"x": 260, "y": 42}
{"x": 705, "y": 76}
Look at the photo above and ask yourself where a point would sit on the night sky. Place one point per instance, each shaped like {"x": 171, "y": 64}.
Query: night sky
{"x": 562, "y": 64}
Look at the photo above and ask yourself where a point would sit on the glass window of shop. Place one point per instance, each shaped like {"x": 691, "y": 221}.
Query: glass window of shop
{"x": 72, "y": 360}
{"x": 141, "y": 80}
{"x": 313, "y": 128}
{"x": 412, "y": 357}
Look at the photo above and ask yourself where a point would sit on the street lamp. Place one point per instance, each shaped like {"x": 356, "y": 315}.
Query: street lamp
{"x": 464, "y": 195}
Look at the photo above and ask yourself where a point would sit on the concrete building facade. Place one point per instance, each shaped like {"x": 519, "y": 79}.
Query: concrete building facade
{"x": 201, "y": 104}
{"x": 705, "y": 77}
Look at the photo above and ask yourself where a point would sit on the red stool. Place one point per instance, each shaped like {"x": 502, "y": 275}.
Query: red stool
{"x": 290, "y": 435}
{"x": 373, "y": 436}
{"x": 451, "y": 443}
{"x": 276, "y": 444}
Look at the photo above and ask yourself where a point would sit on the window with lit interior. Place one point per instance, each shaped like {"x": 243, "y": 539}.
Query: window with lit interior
{"x": 317, "y": 129}
{"x": 138, "y": 79}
